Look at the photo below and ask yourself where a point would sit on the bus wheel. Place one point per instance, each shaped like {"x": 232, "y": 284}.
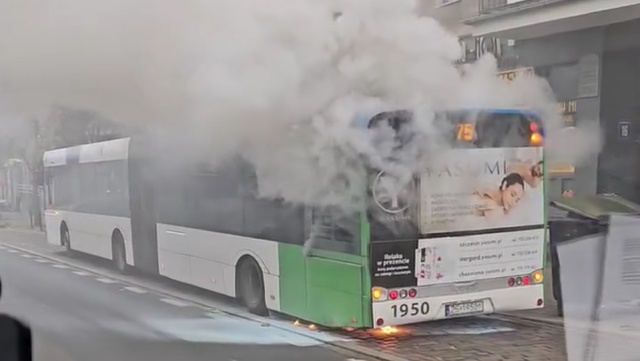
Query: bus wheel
{"x": 65, "y": 238}
{"x": 250, "y": 286}
{"x": 118, "y": 252}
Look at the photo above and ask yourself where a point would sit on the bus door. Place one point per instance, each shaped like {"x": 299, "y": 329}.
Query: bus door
{"x": 334, "y": 268}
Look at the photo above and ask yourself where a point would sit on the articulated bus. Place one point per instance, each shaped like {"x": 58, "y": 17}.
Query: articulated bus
{"x": 464, "y": 236}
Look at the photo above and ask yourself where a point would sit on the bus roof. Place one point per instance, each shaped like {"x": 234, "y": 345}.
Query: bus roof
{"x": 117, "y": 149}
{"x": 363, "y": 120}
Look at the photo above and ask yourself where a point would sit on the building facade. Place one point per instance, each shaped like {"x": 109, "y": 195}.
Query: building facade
{"x": 589, "y": 51}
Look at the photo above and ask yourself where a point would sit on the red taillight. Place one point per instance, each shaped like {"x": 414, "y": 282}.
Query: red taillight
{"x": 393, "y": 294}
{"x": 540, "y": 302}
{"x": 533, "y": 126}
{"x": 511, "y": 282}
{"x": 413, "y": 293}
{"x": 526, "y": 280}
{"x": 379, "y": 322}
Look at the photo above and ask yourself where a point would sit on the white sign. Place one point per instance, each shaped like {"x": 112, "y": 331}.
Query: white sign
{"x": 470, "y": 258}
{"x": 580, "y": 277}
{"x": 618, "y": 313}
{"x": 479, "y": 189}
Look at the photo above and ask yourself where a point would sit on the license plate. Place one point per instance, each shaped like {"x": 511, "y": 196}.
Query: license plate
{"x": 463, "y": 308}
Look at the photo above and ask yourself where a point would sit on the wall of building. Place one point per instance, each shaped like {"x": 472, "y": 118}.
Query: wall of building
{"x": 449, "y": 15}
{"x": 620, "y": 111}
{"x": 571, "y": 62}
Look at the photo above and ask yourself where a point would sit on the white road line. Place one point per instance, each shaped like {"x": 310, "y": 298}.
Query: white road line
{"x": 81, "y": 273}
{"x": 13, "y": 251}
{"x": 3, "y": 247}
{"x": 26, "y": 255}
{"x": 174, "y": 302}
{"x": 106, "y": 280}
{"x": 41, "y": 260}
{"x": 135, "y": 290}
{"x": 61, "y": 266}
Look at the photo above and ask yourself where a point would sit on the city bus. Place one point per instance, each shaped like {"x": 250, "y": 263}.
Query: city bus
{"x": 465, "y": 235}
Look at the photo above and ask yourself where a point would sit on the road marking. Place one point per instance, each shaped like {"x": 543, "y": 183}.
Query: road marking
{"x": 174, "y": 302}
{"x": 135, "y": 290}
{"x": 61, "y": 266}
{"x": 26, "y": 255}
{"x": 81, "y": 273}
{"x": 42, "y": 260}
{"x": 13, "y": 251}
{"x": 106, "y": 280}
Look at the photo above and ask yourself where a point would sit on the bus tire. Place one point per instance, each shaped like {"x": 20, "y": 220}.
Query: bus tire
{"x": 250, "y": 286}
{"x": 65, "y": 237}
{"x": 118, "y": 252}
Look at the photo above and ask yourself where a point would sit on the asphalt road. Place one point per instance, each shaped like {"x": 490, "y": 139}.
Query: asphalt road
{"x": 76, "y": 315}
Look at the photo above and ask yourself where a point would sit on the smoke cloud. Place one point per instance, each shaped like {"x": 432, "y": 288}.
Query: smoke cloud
{"x": 280, "y": 81}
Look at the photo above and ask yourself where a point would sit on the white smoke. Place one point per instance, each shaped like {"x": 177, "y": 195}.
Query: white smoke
{"x": 280, "y": 81}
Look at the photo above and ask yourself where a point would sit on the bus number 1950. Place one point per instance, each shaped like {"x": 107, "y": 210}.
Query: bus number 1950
{"x": 412, "y": 309}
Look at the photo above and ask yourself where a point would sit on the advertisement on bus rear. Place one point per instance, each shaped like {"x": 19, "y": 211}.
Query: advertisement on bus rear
{"x": 431, "y": 261}
{"x": 464, "y": 190}
{"x": 476, "y": 257}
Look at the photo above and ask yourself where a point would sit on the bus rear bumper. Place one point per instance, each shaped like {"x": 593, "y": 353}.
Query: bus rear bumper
{"x": 407, "y": 311}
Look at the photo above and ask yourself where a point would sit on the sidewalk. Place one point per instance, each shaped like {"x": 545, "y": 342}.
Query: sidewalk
{"x": 17, "y": 220}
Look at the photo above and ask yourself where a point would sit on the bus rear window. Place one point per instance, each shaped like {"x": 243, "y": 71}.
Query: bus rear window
{"x": 472, "y": 129}
{"x": 494, "y": 130}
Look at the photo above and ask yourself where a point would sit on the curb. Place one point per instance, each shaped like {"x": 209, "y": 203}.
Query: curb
{"x": 347, "y": 345}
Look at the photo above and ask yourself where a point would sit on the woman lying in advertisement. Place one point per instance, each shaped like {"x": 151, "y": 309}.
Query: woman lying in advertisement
{"x": 531, "y": 172}
{"x": 494, "y": 202}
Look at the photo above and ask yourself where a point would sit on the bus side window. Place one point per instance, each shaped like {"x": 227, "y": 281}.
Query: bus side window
{"x": 334, "y": 230}
{"x": 270, "y": 218}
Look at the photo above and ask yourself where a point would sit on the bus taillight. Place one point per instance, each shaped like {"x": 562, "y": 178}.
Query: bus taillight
{"x": 393, "y": 294}
{"x": 536, "y": 138}
{"x": 376, "y": 293}
{"x": 537, "y": 276}
{"x": 413, "y": 293}
{"x": 526, "y": 280}
{"x": 403, "y": 293}
{"x": 511, "y": 282}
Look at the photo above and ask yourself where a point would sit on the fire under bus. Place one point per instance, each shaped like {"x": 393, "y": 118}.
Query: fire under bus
{"x": 464, "y": 236}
